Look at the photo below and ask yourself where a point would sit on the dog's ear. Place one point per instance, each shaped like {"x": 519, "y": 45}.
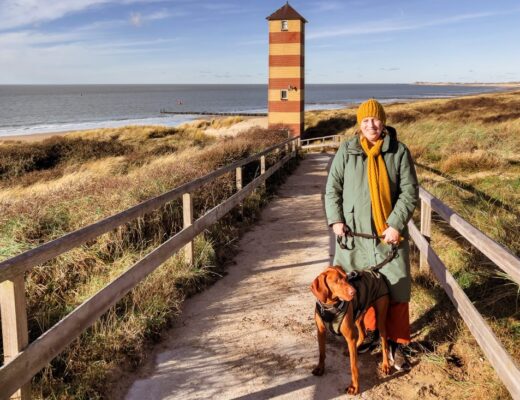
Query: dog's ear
{"x": 339, "y": 270}
{"x": 320, "y": 289}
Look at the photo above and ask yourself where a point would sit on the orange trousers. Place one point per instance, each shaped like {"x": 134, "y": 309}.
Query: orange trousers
{"x": 397, "y": 322}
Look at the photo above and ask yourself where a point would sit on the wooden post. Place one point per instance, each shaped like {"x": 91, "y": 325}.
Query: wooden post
{"x": 239, "y": 188}
{"x": 262, "y": 171}
{"x": 14, "y": 325}
{"x": 426, "y": 231}
{"x": 187, "y": 216}
{"x": 262, "y": 165}
{"x": 239, "y": 179}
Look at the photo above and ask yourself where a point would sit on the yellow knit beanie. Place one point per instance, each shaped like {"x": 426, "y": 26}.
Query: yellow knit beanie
{"x": 371, "y": 108}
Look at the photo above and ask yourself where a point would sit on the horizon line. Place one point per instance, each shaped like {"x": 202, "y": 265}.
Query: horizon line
{"x": 266, "y": 83}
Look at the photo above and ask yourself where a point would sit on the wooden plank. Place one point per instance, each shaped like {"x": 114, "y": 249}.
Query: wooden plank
{"x": 187, "y": 218}
{"x": 501, "y": 256}
{"x": 262, "y": 165}
{"x": 426, "y": 231}
{"x": 23, "y": 262}
{"x": 28, "y": 362}
{"x": 14, "y": 325}
{"x": 501, "y": 361}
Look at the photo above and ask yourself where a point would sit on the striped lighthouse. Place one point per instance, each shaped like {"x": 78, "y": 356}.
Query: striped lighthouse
{"x": 286, "y": 96}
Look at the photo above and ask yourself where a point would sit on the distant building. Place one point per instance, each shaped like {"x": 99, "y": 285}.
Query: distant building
{"x": 286, "y": 96}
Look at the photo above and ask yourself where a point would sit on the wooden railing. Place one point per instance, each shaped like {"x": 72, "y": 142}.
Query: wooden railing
{"x": 22, "y": 360}
{"x": 324, "y": 141}
{"x": 501, "y": 361}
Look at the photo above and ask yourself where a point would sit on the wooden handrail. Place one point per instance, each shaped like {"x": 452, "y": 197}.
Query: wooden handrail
{"x": 501, "y": 361}
{"x": 497, "y": 253}
{"x": 320, "y": 138}
{"x": 29, "y": 361}
{"x": 23, "y": 262}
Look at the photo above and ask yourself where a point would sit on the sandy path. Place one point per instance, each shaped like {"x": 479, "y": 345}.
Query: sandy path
{"x": 251, "y": 335}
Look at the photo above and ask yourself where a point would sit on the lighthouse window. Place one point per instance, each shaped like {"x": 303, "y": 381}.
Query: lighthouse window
{"x": 285, "y": 25}
{"x": 283, "y": 94}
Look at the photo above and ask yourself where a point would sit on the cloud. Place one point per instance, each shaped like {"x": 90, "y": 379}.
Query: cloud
{"x": 390, "y": 69}
{"x": 19, "y": 13}
{"x": 16, "y": 13}
{"x": 138, "y": 19}
{"x": 31, "y": 38}
{"x": 384, "y": 26}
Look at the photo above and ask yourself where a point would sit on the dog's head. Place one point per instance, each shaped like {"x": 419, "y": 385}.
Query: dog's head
{"x": 332, "y": 284}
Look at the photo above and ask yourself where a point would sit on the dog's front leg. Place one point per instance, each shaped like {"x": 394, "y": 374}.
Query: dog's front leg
{"x": 322, "y": 331}
{"x": 348, "y": 329}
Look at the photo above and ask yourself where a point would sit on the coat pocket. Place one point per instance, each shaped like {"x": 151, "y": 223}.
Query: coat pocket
{"x": 348, "y": 212}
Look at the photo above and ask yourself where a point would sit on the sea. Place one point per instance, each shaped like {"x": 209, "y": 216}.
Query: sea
{"x": 31, "y": 109}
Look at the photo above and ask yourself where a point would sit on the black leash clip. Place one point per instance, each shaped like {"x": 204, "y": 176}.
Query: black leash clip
{"x": 353, "y": 275}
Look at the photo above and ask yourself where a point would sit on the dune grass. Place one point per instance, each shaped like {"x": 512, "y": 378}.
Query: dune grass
{"x": 467, "y": 154}
{"x": 64, "y": 183}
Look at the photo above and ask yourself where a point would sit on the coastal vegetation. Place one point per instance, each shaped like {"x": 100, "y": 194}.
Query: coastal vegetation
{"x": 52, "y": 187}
{"x": 467, "y": 153}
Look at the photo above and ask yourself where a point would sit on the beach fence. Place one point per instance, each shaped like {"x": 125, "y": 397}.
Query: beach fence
{"x": 23, "y": 360}
{"x": 504, "y": 365}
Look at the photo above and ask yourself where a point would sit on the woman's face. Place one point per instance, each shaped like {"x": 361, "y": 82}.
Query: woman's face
{"x": 371, "y": 128}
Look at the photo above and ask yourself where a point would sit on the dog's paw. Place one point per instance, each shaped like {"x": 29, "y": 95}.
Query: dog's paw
{"x": 352, "y": 389}
{"x": 319, "y": 370}
{"x": 385, "y": 369}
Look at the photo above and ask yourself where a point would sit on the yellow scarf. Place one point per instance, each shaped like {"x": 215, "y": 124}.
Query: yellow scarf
{"x": 378, "y": 184}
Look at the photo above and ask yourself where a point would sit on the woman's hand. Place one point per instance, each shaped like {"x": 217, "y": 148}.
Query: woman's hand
{"x": 339, "y": 228}
{"x": 391, "y": 235}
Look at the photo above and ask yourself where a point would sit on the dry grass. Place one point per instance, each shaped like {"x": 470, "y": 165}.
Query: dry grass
{"x": 83, "y": 186}
{"x": 217, "y": 123}
{"x": 465, "y": 162}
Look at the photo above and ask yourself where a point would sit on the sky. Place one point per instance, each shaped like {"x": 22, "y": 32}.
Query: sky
{"x": 226, "y": 41}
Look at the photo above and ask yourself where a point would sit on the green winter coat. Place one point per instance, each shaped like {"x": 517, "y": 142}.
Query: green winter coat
{"x": 347, "y": 199}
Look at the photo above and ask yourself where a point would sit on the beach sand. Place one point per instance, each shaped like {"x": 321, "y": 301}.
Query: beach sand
{"x": 31, "y": 138}
{"x": 233, "y": 130}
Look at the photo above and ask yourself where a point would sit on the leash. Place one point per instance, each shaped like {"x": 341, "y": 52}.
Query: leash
{"x": 349, "y": 233}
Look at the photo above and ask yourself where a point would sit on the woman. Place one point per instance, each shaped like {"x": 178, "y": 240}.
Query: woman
{"x": 372, "y": 188}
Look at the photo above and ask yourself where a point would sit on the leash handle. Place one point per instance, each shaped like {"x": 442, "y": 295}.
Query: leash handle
{"x": 350, "y": 233}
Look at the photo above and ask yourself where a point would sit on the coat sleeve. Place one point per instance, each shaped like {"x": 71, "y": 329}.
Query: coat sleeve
{"x": 334, "y": 188}
{"x": 408, "y": 193}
